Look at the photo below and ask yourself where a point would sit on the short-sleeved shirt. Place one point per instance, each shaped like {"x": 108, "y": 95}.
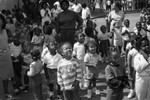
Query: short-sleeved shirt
{"x": 91, "y": 59}
{"x": 104, "y": 36}
{"x": 79, "y": 50}
{"x": 52, "y": 61}
{"x": 77, "y": 8}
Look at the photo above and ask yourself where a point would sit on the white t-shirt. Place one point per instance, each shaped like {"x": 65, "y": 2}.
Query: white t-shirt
{"x": 125, "y": 37}
{"x": 85, "y": 13}
{"x": 52, "y": 61}
{"x": 15, "y": 50}
{"x": 105, "y": 36}
{"x": 91, "y": 59}
{"x": 79, "y": 50}
{"x": 77, "y": 8}
{"x": 125, "y": 29}
{"x": 132, "y": 53}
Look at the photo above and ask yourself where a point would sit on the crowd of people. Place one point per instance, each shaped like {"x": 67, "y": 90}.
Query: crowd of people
{"x": 66, "y": 46}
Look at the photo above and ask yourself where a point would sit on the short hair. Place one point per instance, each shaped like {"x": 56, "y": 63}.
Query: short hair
{"x": 91, "y": 42}
{"x": 11, "y": 20}
{"x": 88, "y": 31}
{"x": 4, "y": 21}
{"x": 84, "y": 5}
{"x": 118, "y": 5}
{"x": 35, "y": 54}
{"x": 127, "y": 20}
{"x": 66, "y": 1}
{"x": 48, "y": 30}
{"x": 43, "y": 3}
{"x": 102, "y": 27}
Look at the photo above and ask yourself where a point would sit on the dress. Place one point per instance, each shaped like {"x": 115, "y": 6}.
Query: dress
{"x": 6, "y": 68}
{"x": 115, "y": 17}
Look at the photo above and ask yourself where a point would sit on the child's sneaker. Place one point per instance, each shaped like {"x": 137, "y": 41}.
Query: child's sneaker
{"x": 16, "y": 91}
{"x": 89, "y": 94}
{"x": 131, "y": 94}
{"x": 26, "y": 89}
{"x": 21, "y": 87}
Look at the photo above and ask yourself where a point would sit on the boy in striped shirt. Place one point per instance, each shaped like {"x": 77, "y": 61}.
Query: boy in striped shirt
{"x": 69, "y": 74}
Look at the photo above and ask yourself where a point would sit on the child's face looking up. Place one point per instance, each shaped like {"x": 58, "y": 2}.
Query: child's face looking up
{"x": 67, "y": 50}
{"x": 92, "y": 48}
{"x": 52, "y": 47}
{"x": 115, "y": 57}
{"x": 81, "y": 38}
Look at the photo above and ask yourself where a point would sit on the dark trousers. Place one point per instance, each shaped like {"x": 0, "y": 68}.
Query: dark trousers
{"x": 71, "y": 94}
{"x": 17, "y": 79}
{"x": 37, "y": 86}
{"x": 104, "y": 45}
{"x": 114, "y": 94}
{"x": 92, "y": 83}
{"x": 26, "y": 78}
{"x": 131, "y": 77}
{"x": 5, "y": 86}
{"x": 67, "y": 35}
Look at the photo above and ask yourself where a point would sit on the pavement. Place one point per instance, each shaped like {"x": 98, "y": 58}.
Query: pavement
{"x": 100, "y": 82}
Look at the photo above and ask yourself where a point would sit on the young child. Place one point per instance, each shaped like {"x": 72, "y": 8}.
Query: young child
{"x": 10, "y": 25}
{"x": 51, "y": 59}
{"x": 49, "y": 35}
{"x": 115, "y": 77}
{"x": 26, "y": 61}
{"x": 89, "y": 35}
{"x": 117, "y": 38}
{"x": 79, "y": 53}
{"x": 37, "y": 39}
{"x": 139, "y": 31}
{"x": 15, "y": 51}
{"x": 69, "y": 74}
{"x": 35, "y": 74}
{"x": 91, "y": 61}
{"x": 104, "y": 43}
{"x": 125, "y": 33}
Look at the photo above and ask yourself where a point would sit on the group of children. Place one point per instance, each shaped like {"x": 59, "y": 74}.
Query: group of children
{"x": 69, "y": 68}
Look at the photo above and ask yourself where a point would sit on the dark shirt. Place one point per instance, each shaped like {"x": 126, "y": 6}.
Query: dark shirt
{"x": 67, "y": 20}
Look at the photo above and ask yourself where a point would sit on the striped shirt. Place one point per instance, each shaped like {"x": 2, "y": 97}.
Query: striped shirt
{"x": 67, "y": 72}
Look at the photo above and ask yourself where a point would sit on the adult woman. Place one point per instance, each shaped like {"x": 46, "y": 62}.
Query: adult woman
{"x": 66, "y": 23}
{"x": 45, "y": 13}
{"x": 141, "y": 64}
{"x": 6, "y": 69}
{"x": 116, "y": 15}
